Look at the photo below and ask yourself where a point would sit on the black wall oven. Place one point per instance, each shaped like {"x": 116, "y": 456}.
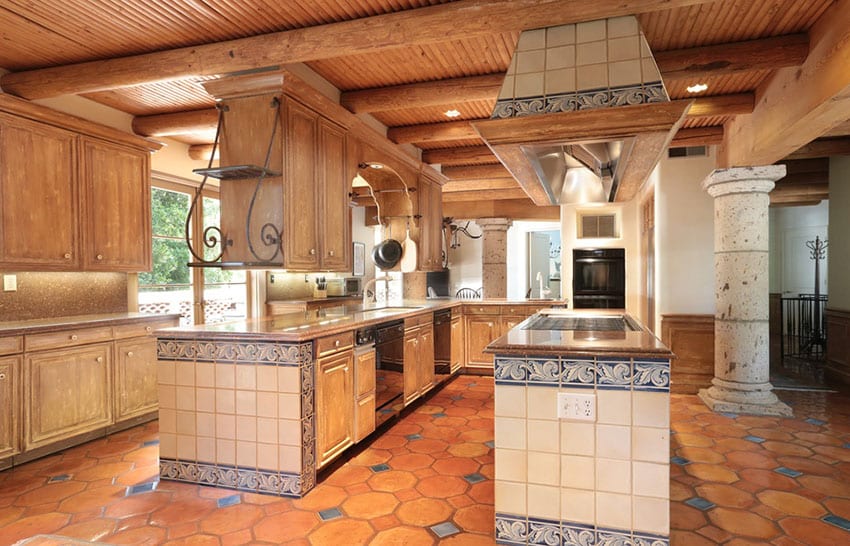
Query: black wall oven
{"x": 599, "y": 278}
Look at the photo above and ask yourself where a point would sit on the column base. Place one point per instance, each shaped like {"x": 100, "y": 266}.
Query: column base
{"x": 716, "y": 404}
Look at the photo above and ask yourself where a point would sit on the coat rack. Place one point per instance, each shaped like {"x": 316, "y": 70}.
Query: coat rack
{"x": 817, "y": 252}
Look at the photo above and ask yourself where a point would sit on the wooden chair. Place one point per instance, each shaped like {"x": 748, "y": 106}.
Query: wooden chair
{"x": 468, "y": 294}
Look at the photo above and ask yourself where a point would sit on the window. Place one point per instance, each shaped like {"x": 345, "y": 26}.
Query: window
{"x": 597, "y": 226}
{"x": 173, "y": 286}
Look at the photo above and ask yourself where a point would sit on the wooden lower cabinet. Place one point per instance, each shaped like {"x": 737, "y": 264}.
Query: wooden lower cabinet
{"x": 68, "y": 392}
{"x": 418, "y": 361}
{"x": 480, "y": 331}
{"x": 9, "y": 423}
{"x": 456, "y": 361}
{"x": 364, "y": 390}
{"x": 135, "y": 378}
{"x": 334, "y": 410}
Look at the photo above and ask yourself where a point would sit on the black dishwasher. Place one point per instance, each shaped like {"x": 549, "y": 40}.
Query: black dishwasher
{"x": 389, "y": 370}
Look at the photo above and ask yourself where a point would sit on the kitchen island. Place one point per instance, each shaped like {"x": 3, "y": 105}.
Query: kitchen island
{"x": 600, "y": 473}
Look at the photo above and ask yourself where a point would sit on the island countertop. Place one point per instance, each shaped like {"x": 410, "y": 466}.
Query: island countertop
{"x": 640, "y": 342}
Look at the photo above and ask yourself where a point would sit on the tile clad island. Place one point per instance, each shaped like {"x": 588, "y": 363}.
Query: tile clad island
{"x": 570, "y": 481}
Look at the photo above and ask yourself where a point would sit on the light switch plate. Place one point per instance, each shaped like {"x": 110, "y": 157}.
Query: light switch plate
{"x": 10, "y": 283}
{"x": 579, "y": 407}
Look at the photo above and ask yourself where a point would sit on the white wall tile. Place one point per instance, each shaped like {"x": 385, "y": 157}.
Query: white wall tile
{"x": 225, "y": 376}
{"x": 205, "y": 399}
{"x": 167, "y": 445}
{"x": 267, "y": 456}
{"x": 225, "y": 426}
{"x": 167, "y": 420}
{"x": 204, "y": 374}
{"x": 206, "y": 450}
{"x": 290, "y": 458}
{"x": 624, "y": 73}
{"x": 165, "y": 374}
{"x": 246, "y": 402}
{"x": 624, "y": 49}
{"x": 246, "y": 428}
{"x": 246, "y": 454}
{"x": 205, "y": 424}
{"x": 578, "y": 438}
{"x": 543, "y": 468}
{"x": 561, "y": 57}
{"x": 560, "y": 35}
{"x": 649, "y": 70}
{"x": 592, "y": 53}
{"x": 510, "y": 401}
{"x": 529, "y": 85}
{"x": 267, "y": 430}
{"x": 651, "y": 515}
{"x": 543, "y": 403}
{"x": 186, "y": 423}
{"x": 543, "y": 435}
{"x": 267, "y": 378}
{"x": 289, "y": 379}
{"x": 507, "y": 90}
{"x": 167, "y": 395}
{"x": 544, "y": 501}
{"x": 531, "y": 61}
{"x": 593, "y": 76}
{"x": 185, "y": 398}
{"x": 510, "y": 433}
{"x": 651, "y": 444}
{"x": 184, "y": 374}
{"x": 532, "y": 39}
{"x": 651, "y": 409}
{"x": 578, "y": 472}
{"x": 246, "y": 377}
{"x": 613, "y": 407}
{"x": 651, "y": 480}
{"x": 578, "y": 505}
{"x": 289, "y": 432}
{"x": 225, "y": 401}
{"x": 289, "y": 406}
{"x": 560, "y": 81}
{"x": 187, "y": 448}
{"x": 613, "y": 510}
{"x": 511, "y": 497}
{"x": 613, "y": 476}
{"x": 622, "y": 26}
{"x": 225, "y": 451}
{"x": 613, "y": 442}
{"x": 511, "y": 465}
{"x": 591, "y": 31}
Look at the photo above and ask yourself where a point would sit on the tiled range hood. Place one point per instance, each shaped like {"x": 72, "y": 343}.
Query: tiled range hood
{"x": 582, "y": 115}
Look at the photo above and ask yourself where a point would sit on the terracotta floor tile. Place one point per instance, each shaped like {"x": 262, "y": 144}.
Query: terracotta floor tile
{"x": 442, "y": 486}
{"x": 839, "y": 507}
{"x": 725, "y": 495}
{"x": 711, "y": 472}
{"x": 478, "y": 518}
{"x": 686, "y": 517}
{"x": 33, "y": 525}
{"x": 715, "y": 534}
{"x": 342, "y": 531}
{"x": 819, "y": 438}
{"x": 295, "y": 523}
{"x": 403, "y": 536}
{"x": 427, "y": 445}
{"x": 792, "y": 504}
{"x": 93, "y": 498}
{"x": 814, "y": 532}
{"x": 687, "y": 439}
{"x": 768, "y": 479}
{"x": 147, "y": 536}
{"x": 827, "y": 486}
{"x": 195, "y": 540}
{"x": 771, "y": 434}
{"x": 468, "y": 449}
{"x": 687, "y": 538}
{"x": 467, "y": 540}
{"x": 182, "y": 511}
{"x": 388, "y": 441}
{"x": 482, "y": 493}
{"x": 143, "y": 503}
{"x": 230, "y": 519}
{"x": 739, "y": 522}
{"x": 392, "y": 480}
{"x": 787, "y": 448}
{"x": 181, "y": 530}
{"x": 370, "y": 505}
{"x": 745, "y": 542}
{"x": 412, "y": 461}
{"x": 371, "y": 457}
{"x": 748, "y": 459}
{"x": 701, "y": 455}
{"x": 349, "y": 475}
{"x": 239, "y": 537}
{"x": 102, "y": 471}
{"x": 810, "y": 466}
{"x": 725, "y": 445}
{"x": 52, "y": 492}
{"x": 424, "y": 512}
{"x": 322, "y": 497}
{"x": 93, "y": 530}
{"x": 833, "y": 452}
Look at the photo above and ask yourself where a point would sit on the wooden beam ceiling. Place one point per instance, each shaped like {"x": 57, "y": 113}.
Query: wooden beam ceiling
{"x": 797, "y": 105}
{"x": 766, "y": 53}
{"x": 476, "y": 172}
{"x": 822, "y": 147}
{"x": 483, "y": 195}
{"x": 177, "y": 123}
{"x": 698, "y": 136}
{"x": 442, "y": 22}
{"x": 518, "y": 209}
{"x": 469, "y": 155}
{"x": 416, "y": 95}
{"x": 482, "y": 184}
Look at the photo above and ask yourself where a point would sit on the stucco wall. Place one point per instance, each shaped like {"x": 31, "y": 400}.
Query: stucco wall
{"x": 839, "y": 233}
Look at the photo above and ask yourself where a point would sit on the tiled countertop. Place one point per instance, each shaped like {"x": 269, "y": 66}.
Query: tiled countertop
{"x": 576, "y": 342}
{"x": 32, "y": 326}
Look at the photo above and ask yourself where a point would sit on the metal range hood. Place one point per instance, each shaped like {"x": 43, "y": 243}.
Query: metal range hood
{"x": 583, "y": 115}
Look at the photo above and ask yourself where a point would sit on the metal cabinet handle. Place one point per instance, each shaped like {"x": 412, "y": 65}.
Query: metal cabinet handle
{"x": 312, "y": 252}
{"x": 148, "y": 329}
{"x": 336, "y": 343}
{"x": 130, "y": 353}
{"x": 67, "y": 255}
{"x": 489, "y": 324}
{"x": 73, "y": 337}
{"x": 99, "y": 256}
{"x": 99, "y": 359}
{"x": 330, "y": 253}
{"x": 2, "y": 376}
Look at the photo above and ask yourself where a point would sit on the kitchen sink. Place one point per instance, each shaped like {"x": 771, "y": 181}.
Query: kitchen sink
{"x": 388, "y": 310}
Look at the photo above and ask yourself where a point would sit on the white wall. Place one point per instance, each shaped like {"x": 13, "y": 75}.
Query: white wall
{"x": 791, "y": 269}
{"x": 360, "y": 233}
{"x": 839, "y": 233}
{"x": 465, "y": 261}
{"x": 518, "y": 254}
{"x": 684, "y": 243}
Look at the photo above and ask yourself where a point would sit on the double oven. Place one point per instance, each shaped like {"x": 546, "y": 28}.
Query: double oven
{"x": 599, "y": 278}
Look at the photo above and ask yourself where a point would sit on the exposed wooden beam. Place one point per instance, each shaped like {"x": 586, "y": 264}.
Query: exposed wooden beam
{"x": 475, "y": 185}
{"x": 819, "y": 165}
{"x": 715, "y": 60}
{"x": 797, "y": 105}
{"x": 468, "y": 155}
{"x": 416, "y": 95}
{"x": 201, "y": 152}
{"x": 795, "y": 203}
{"x": 822, "y": 147}
{"x": 722, "y": 105}
{"x": 515, "y": 209}
{"x": 432, "y": 132}
{"x": 698, "y": 136}
{"x": 438, "y": 23}
{"x": 177, "y": 123}
{"x": 484, "y": 195}
{"x": 476, "y": 172}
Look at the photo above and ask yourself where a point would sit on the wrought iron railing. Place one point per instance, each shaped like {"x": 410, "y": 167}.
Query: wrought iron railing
{"x": 804, "y": 327}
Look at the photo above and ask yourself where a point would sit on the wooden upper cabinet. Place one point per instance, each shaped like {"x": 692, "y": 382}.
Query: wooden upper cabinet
{"x": 117, "y": 207}
{"x": 300, "y": 193}
{"x": 430, "y": 225}
{"x": 38, "y": 196}
{"x": 334, "y": 213}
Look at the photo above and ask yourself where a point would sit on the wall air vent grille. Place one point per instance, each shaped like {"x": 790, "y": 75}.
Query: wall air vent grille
{"x": 688, "y": 151}
{"x": 598, "y": 226}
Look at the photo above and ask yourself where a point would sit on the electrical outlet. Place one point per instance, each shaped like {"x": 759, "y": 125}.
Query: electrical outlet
{"x": 271, "y": 278}
{"x": 10, "y": 283}
{"x": 579, "y": 407}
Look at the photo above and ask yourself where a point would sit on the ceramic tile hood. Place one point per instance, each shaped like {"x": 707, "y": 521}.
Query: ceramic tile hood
{"x": 574, "y": 110}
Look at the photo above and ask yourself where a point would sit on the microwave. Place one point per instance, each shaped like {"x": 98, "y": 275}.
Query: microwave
{"x": 348, "y": 286}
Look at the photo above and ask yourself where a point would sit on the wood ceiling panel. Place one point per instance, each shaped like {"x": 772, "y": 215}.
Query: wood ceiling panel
{"x": 705, "y": 122}
{"x": 435, "y": 114}
{"x": 450, "y": 144}
{"x": 728, "y": 21}
{"x": 738, "y": 82}
{"x": 157, "y": 98}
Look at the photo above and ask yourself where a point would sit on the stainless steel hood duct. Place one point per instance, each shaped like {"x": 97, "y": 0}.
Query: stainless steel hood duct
{"x": 570, "y": 70}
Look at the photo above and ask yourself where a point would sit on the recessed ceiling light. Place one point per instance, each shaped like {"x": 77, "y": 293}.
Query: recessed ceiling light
{"x": 452, "y": 113}
{"x": 697, "y": 88}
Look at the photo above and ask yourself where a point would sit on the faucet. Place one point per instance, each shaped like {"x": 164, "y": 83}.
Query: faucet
{"x": 544, "y": 292}
{"x": 372, "y": 282}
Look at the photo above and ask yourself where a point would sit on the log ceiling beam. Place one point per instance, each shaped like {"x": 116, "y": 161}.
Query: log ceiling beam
{"x": 475, "y": 185}
{"x": 698, "y": 136}
{"x": 439, "y": 23}
{"x": 797, "y": 105}
{"x": 514, "y": 209}
{"x": 417, "y": 95}
{"x": 716, "y": 60}
{"x": 201, "y": 152}
{"x": 468, "y": 155}
{"x": 176, "y": 123}
{"x": 485, "y": 195}
{"x": 476, "y": 172}
{"x": 822, "y": 147}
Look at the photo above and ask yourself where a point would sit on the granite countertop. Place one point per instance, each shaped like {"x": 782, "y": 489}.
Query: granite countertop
{"x": 32, "y": 326}
{"x": 340, "y": 299}
{"x": 639, "y": 342}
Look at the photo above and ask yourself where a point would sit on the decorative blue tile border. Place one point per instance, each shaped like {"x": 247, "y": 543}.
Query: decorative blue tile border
{"x": 644, "y": 374}
{"x": 308, "y": 426}
{"x": 581, "y": 100}
{"x": 513, "y": 529}
{"x": 244, "y": 479}
{"x": 235, "y": 352}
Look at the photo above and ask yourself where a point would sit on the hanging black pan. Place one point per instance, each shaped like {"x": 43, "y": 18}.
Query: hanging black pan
{"x": 387, "y": 253}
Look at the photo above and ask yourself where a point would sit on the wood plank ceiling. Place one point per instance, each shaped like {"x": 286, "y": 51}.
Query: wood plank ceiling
{"x": 54, "y": 33}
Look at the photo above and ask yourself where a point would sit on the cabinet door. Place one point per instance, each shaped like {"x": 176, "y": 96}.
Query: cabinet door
{"x": 480, "y": 331}
{"x": 68, "y": 392}
{"x": 38, "y": 196}
{"x": 334, "y": 405}
{"x": 364, "y": 417}
{"x": 334, "y": 213}
{"x": 430, "y": 226}
{"x": 135, "y": 378}
{"x": 426, "y": 358}
{"x": 457, "y": 359}
{"x": 411, "y": 365}
{"x": 364, "y": 375}
{"x": 508, "y": 322}
{"x": 117, "y": 207}
{"x": 300, "y": 192}
{"x": 435, "y": 242}
{"x": 9, "y": 412}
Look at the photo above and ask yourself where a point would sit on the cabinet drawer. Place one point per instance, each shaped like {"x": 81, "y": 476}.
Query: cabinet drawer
{"x": 67, "y": 338}
{"x": 139, "y": 329}
{"x": 338, "y": 342}
{"x": 418, "y": 320}
{"x": 481, "y": 309}
{"x": 519, "y": 310}
{"x": 11, "y": 345}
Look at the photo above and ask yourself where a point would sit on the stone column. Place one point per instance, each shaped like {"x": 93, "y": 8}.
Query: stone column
{"x": 494, "y": 268}
{"x": 741, "y": 381}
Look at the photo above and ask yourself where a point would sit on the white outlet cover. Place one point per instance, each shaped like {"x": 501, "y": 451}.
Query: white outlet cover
{"x": 577, "y": 407}
{"x": 10, "y": 283}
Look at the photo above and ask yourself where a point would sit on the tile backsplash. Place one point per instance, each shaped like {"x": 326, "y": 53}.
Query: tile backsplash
{"x": 46, "y": 295}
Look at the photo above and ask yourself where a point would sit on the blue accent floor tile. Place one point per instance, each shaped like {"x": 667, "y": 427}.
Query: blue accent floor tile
{"x": 151, "y": 443}
{"x": 386, "y": 410}
{"x": 474, "y": 478}
{"x": 471, "y": 384}
{"x": 457, "y": 397}
{"x": 788, "y": 472}
{"x": 700, "y": 503}
{"x": 490, "y": 443}
{"x": 813, "y": 421}
{"x": 229, "y": 501}
{"x": 756, "y": 439}
{"x": 445, "y": 529}
{"x": 681, "y": 461}
{"x": 729, "y": 415}
{"x": 383, "y": 467}
{"x": 847, "y": 445}
{"x": 59, "y": 478}
{"x": 838, "y": 521}
{"x": 438, "y": 415}
{"x": 414, "y": 436}
{"x": 329, "y": 514}
{"x": 141, "y": 488}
